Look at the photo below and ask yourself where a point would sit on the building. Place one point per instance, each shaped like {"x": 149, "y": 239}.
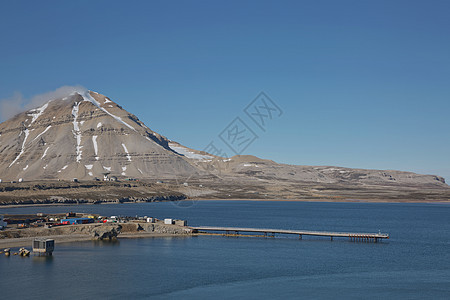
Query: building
{"x": 181, "y": 222}
{"x": 43, "y": 246}
{"x": 74, "y": 221}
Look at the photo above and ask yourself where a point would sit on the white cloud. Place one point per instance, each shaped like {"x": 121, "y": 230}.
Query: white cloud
{"x": 10, "y": 107}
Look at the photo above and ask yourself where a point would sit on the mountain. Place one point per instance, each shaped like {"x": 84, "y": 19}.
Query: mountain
{"x": 86, "y": 135}
{"x": 83, "y": 136}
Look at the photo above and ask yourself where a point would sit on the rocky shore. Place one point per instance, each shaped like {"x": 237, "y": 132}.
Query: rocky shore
{"x": 85, "y": 232}
{"x": 64, "y": 192}
{"x": 64, "y": 200}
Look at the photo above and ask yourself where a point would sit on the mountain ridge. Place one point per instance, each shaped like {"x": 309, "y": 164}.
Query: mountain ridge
{"x": 85, "y": 135}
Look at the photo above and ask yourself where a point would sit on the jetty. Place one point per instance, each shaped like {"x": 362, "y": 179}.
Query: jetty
{"x": 357, "y": 237}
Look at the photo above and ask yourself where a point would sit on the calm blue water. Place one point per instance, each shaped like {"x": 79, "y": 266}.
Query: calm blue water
{"x": 413, "y": 264}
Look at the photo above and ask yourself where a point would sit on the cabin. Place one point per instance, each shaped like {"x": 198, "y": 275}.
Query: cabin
{"x": 43, "y": 246}
{"x": 180, "y": 222}
{"x": 106, "y": 177}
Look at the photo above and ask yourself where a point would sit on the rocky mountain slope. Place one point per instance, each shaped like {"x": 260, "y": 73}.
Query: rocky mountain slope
{"x": 86, "y": 135}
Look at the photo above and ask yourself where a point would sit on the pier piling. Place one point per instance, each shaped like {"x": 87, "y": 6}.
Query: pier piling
{"x": 355, "y": 237}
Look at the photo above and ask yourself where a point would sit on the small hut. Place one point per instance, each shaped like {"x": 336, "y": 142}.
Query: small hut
{"x": 43, "y": 246}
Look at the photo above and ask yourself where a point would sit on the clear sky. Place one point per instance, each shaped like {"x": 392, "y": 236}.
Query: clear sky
{"x": 361, "y": 83}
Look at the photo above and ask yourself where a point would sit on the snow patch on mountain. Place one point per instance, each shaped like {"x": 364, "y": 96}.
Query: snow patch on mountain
{"x": 189, "y": 154}
{"x": 45, "y": 153}
{"x": 94, "y": 141}
{"x": 87, "y": 97}
{"x": 43, "y": 132}
{"x": 126, "y": 151}
{"x": 37, "y": 112}
{"x": 63, "y": 168}
{"x": 76, "y": 130}
{"x": 22, "y": 150}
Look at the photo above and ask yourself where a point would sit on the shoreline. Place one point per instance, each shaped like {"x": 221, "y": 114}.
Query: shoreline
{"x": 254, "y": 200}
{"x": 332, "y": 200}
{"x": 73, "y": 204}
{"x": 60, "y": 239}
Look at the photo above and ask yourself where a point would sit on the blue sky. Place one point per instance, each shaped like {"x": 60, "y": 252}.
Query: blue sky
{"x": 361, "y": 83}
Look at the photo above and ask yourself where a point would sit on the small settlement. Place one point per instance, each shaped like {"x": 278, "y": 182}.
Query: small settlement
{"x": 71, "y": 218}
{"x": 37, "y": 225}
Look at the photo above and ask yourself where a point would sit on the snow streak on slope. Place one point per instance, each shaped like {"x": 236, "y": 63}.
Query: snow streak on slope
{"x": 94, "y": 141}
{"x": 37, "y": 112}
{"x": 22, "y": 150}
{"x": 87, "y": 97}
{"x": 63, "y": 168}
{"x": 189, "y": 154}
{"x": 76, "y": 130}
{"x": 39, "y": 135}
{"x": 45, "y": 153}
{"x": 126, "y": 151}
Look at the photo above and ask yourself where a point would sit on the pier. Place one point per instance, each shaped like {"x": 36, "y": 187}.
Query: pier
{"x": 356, "y": 237}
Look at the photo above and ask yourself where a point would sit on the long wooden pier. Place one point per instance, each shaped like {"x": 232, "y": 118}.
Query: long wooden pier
{"x": 363, "y": 237}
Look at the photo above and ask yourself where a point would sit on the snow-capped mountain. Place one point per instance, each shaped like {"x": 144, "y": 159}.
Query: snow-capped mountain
{"x": 85, "y": 135}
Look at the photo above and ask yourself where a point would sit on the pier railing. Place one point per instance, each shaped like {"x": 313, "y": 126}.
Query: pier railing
{"x": 368, "y": 237}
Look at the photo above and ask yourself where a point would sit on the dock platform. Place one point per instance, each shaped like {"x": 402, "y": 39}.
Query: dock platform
{"x": 363, "y": 237}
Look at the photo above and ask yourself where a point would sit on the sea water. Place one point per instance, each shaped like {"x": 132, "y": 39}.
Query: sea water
{"x": 413, "y": 264}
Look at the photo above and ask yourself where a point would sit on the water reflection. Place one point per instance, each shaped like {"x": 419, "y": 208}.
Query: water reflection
{"x": 106, "y": 243}
{"x": 42, "y": 259}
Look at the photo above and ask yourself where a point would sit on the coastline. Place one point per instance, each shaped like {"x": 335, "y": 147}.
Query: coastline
{"x": 332, "y": 200}
{"x": 68, "y": 238}
{"x": 245, "y": 199}
{"x": 26, "y": 241}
